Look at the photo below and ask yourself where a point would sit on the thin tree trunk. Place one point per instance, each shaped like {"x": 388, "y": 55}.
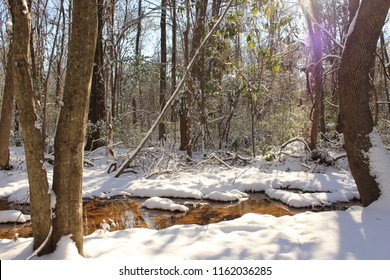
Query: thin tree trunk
{"x": 195, "y": 78}
{"x": 184, "y": 114}
{"x": 110, "y": 71}
{"x": 46, "y": 84}
{"x": 355, "y": 113}
{"x": 386, "y": 71}
{"x": 318, "y": 122}
{"x": 6, "y": 112}
{"x": 163, "y": 68}
{"x": 69, "y": 140}
{"x": 138, "y": 117}
{"x": 97, "y": 102}
{"x": 37, "y": 178}
{"x": 59, "y": 83}
{"x": 174, "y": 51}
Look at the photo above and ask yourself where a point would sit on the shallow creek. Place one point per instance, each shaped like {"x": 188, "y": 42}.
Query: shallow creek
{"x": 124, "y": 213}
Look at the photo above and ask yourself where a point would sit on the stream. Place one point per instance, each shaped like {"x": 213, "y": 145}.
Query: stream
{"x": 124, "y": 213}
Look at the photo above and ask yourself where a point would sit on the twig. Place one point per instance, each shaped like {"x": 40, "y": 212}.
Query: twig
{"x": 36, "y": 252}
{"x": 214, "y": 156}
{"x": 294, "y": 140}
{"x": 339, "y": 157}
{"x": 158, "y": 172}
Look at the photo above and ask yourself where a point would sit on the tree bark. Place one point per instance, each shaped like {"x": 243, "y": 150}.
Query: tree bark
{"x": 163, "y": 68}
{"x": 174, "y": 56}
{"x": 355, "y": 113}
{"x": 69, "y": 140}
{"x": 185, "y": 122}
{"x": 6, "y": 112}
{"x": 138, "y": 117}
{"x": 97, "y": 103}
{"x": 37, "y": 179}
{"x": 316, "y": 42}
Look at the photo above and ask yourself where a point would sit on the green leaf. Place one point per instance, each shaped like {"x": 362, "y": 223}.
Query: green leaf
{"x": 249, "y": 38}
{"x": 275, "y": 68}
{"x": 251, "y": 45}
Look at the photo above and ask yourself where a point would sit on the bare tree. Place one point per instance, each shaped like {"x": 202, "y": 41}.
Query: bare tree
{"x": 355, "y": 114}
{"x": 97, "y": 103}
{"x": 24, "y": 92}
{"x": 69, "y": 141}
{"x": 70, "y": 135}
{"x": 163, "y": 67}
{"x": 312, "y": 14}
{"x": 6, "y": 112}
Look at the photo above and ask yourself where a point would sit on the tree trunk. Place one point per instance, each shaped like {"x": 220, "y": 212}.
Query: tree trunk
{"x": 69, "y": 140}
{"x": 109, "y": 73}
{"x": 185, "y": 118}
{"x": 316, "y": 42}
{"x": 6, "y": 112}
{"x": 97, "y": 103}
{"x": 195, "y": 78}
{"x": 174, "y": 51}
{"x": 37, "y": 179}
{"x": 138, "y": 117}
{"x": 355, "y": 113}
{"x": 163, "y": 68}
{"x": 386, "y": 71}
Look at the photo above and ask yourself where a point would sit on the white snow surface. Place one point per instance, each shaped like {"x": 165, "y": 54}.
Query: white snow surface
{"x": 12, "y": 216}
{"x": 163, "y": 204}
{"x": 358, "y": 233}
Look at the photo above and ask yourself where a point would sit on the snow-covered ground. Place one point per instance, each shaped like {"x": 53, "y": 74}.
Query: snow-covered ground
{"x": 358, "y": 233}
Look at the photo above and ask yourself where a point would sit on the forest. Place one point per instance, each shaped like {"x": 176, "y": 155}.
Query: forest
{"x": 183, "y": 104}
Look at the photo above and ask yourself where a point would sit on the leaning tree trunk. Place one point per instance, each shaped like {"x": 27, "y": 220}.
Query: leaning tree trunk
{"x": 33, "y": 146}
{"x": 6, "y": 113}
{"x": 356, "y": 118}
{"x": 69, "y": 140}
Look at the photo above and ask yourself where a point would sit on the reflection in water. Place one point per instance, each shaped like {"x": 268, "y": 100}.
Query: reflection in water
{"x": 124, "y": 213}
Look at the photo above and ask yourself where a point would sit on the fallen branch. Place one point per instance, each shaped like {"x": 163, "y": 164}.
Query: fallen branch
{"x": 214, "y": 156}
{"x": 211, "y": 157}
{"x": 133, "y": 154}
{"x": 235, "y": 156}
{"x": 296, "y": 139}
{"x": 158, "y": 172}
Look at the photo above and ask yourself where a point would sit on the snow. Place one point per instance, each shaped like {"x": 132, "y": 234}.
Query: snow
{"x": 358, "y": 233}
{"x": 163, "y": 204}
{"x": 9, "y": 27}
{"x": 353, "y": 23}
{"x": 232, "y": 195}
{"x": 12, "y": 216}
{"x": 379, "y": 167}
{"x": 66, "y": 249}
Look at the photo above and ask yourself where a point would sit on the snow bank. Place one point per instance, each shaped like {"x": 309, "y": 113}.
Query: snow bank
{"x": 380, "y": 168}
{"x": 163, "y": 204}
{"x": 300, "y": 200}
{"x": 232, "y": 195}
{"x": 12, "y": 216}
{"x": 66, "y": 250}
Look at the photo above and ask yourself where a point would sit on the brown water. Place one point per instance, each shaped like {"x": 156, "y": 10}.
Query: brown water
{"x": 123, "y": 213}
